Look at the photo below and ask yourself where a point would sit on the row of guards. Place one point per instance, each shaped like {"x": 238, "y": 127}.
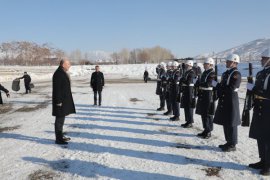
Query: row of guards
{"x": 181, "y": 81}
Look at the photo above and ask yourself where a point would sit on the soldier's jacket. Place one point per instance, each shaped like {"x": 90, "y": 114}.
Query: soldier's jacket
{"x": 160, "y": 73}
{"x": 166, "y": 81}
{"x": 260, "y": 125}
{"x": 228, "y": 113}
{"x": 2, "y": 89}
{"x": 187, "y": 88}
{"x": 174, "y": 82}
{"x": 205, "y": 102}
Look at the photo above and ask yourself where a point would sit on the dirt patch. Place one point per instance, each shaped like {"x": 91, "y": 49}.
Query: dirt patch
{"x": 212, "y": 171}
{"x": 151, "y": 114}
{"x": 5, "y": 108}
{"x": 42, "y": 174}
{"x": 30, "y": 109}
{"x": 2, "y": 129}
{"x": 134, "y": 99}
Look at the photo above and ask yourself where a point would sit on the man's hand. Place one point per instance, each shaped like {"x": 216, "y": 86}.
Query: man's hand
{"x": 59, "y": 105}
{"x": 8, "y": 95}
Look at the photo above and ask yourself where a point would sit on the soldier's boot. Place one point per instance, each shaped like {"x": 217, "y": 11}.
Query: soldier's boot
{"x": 257, "y": 165}
{"x": 65, "y": 138}
{"x": 175, "y": 118}
{"x": 160, "y": 109}
{"x": 59, "y": 138}
{"x": 266, "y": 170}
{"x": 229, "y": 148}
{"x": 207, "y": 135}
{"x": 202, "y": 133}
{"x": 187, "y": 125}
{"x": 168, "y": 113}
{"x": 223, "y": 145}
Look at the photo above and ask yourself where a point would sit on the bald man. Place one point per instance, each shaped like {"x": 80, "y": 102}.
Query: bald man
{"x": 62, "y": 100}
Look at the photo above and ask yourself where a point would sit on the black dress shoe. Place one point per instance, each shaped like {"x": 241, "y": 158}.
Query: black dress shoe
{"x": 167, "y": 113}
{"x": 160, "y": 109}
{"x": 223, "y": 145}
{"x": 265, "y": 171}
{"x": 258, "y": 165}
{"x": 66, "y": 138}
{"x": 61, "y": 142}
{"x": 229, "y": 148}
{"x": 207, "y": 135}
{"x": 187, "y": 125}
{"x": 201, "y": 134}
{"x": 175, "y": 118}
{"x": 182, "y": 125}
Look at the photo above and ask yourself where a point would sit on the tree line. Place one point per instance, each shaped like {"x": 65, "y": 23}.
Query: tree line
{"x": 30, "y": 53}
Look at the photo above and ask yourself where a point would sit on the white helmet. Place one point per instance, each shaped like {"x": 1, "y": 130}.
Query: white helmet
{"x": 266, "y": 53}
{"x": 175, "y": 64}
{"x": 233, "y": 58}
{"x": 209, "y": 61}
{"x": 169, "y": 63}
{"x": 163, "y": 64}
{"x": 189, "y": 62}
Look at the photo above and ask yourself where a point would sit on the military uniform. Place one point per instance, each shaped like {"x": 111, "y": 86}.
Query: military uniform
{"x": 174, "y": 86}
{"x": 260, "y": 125}
{"x": 227, "y": 113}
{"x": 160, "y": 88}
{"x": 187, "y": 99}
{"x": 205, "y": 103}
{"x": 168, "y": 91}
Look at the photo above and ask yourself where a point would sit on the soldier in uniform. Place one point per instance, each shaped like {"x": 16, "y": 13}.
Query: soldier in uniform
{"x": 168, "y": 89}
{"x": 2, "y": 88}
{"x": 174, "y": 86}
{"x": 260, "y": 125}
{"x": 187, "y": 99}
{"x": 206, "y": 104}
{"x": 160, "y": 87}
{"x": 227, "y": 113}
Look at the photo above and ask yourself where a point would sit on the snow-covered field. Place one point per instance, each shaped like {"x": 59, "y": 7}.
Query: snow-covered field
{"x": 125, "y": 138}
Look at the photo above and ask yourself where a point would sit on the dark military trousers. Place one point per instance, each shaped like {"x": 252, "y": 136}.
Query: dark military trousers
{"x": 168, "y": 102}
{"x": 27, "y": 88}
{"x": 231, "y": 134}
{"x": 175, "y": 107}
{"x": 58, "y": 127}
{"x": 264, "y": 151}
{"x": 207, "y": 121}
{"x": 99, "y": 97}
{"x": 189, "y": 114}
{"x": 162, "y": 100}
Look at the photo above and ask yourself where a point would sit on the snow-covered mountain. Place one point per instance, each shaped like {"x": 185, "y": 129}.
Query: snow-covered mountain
{"x": 248, "y": 51}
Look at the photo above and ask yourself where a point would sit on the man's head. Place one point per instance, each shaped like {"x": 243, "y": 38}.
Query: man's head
{"x": 232, "y": 61}
{"x": 265, "y": 61}
{"x": 208, "y": 63}
{"x": 65, "y": 64}
{"x": 97, "y": 68}
{"x": 25, "y": 72}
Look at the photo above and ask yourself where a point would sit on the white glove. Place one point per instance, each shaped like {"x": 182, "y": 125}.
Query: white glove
{"x": 214, "y": 83}
{"x": 60, "y": 104}
{"x": 250, "y": 86}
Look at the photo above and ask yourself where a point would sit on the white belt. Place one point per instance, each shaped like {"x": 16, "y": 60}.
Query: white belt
{"x": 236, "y": 90}
{"x": 206, "y": 89}
{"x": 177, "y": 83}
{"x": 188, "y": 85}
{"x": 158, "y": 79}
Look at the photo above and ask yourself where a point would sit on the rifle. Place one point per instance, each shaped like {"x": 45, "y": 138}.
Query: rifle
{"x": 248, "y": 100}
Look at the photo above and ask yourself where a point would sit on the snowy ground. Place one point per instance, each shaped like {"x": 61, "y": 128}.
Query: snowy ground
{"x": 125, "y": 138}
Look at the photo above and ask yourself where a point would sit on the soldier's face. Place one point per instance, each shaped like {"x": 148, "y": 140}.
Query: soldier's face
{"x": 264, "y": 61}
{"x": 206, "y": 66}
{"x": 229, "y": 64}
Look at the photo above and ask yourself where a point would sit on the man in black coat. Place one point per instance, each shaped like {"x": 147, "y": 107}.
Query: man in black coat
{"x": 27, "y": 81}
{"x": 97, "y": 83}
{"x": 167, "y": 88}
{"x": 5, "y": 90}
{"x": 145, "y": 76}
{"x": 161, "y": 78}
{"x": 228, "y": 113}
{"x": 206, "y": 104}
{"x": 62, "y": 99}
{"x": 260, "y": 126}
{"x": 188, "y": 97}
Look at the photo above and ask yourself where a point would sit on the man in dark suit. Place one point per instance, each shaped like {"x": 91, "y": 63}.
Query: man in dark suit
{"x": 62, "y": 99}
{"x": 27, "y": 81}
{"x": 97, "y": 83}
{"x": 5, "y": 90}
